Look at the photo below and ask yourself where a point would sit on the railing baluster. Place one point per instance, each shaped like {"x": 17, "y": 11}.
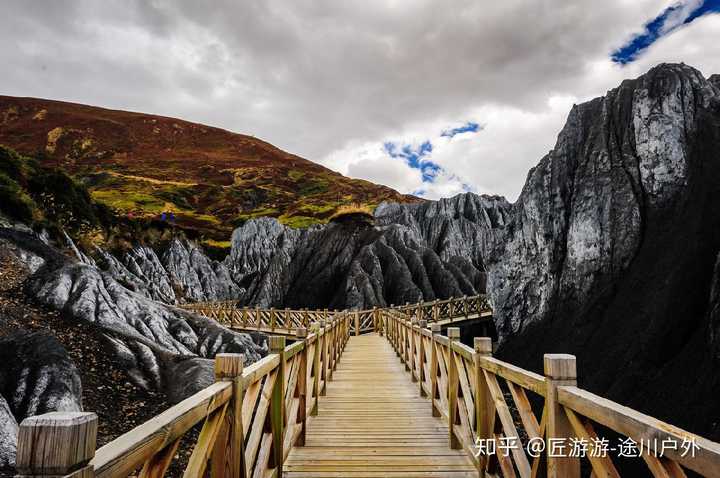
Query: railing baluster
{"x": 422, "y": 324}
{"x": 484, "y": 408}
{"x": 323, "y": 358}
{"x": 412, "y": 350}
{"x": 277, "y": 407}
{"x": 434, "y": 392}
{"x": 453, "y": 334}
{"x": 316, "y": 369}
{"x": 302, "y": 387}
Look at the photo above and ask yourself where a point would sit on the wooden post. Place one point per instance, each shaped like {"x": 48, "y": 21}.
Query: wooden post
{"x": 435, "y": 328}
{"x": 435, "y": 311}
{"x": 421, "y": 356}
{"x": 330, "y": 334}
{"x": 272, "y": 318}
{"x": 560, "y": 369}
{"x": 407, "y": 326}
{"x": 229, "y": 454}
{"x": 484, "y": 408}
{"x": 316, "y": 368}
{"x": 302, "y": 387}
{"x": 277, "y": 406}
{"x": 258, "y": 320}
{"x": 57, "y": 444}
{"x": 453, "y": 334}
{"x": 413, "y": 378}
{"x": 357, "y": 323}
{"x": 323, "y": 359}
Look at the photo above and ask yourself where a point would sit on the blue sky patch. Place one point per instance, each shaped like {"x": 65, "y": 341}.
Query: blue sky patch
{"x": 415, "y": 158}
{"x": 657, "y": 28}
{"x": 469, "y": 127}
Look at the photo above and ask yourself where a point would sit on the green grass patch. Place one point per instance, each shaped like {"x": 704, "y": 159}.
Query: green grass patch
{"x": 294, "y": 174}
{"x": 312, "y": 187}
{"x": 299, "y": 222}
{"x": 124, "y": 200}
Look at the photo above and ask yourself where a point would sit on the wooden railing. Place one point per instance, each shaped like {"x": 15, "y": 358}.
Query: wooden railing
{"x": 278, "y": 321}
{"x": 288, "y": 321}
{"x": 251, "y": 417}
{"x": 487, "y": 402}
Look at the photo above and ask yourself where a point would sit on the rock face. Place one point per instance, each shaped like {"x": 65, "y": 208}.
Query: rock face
{"x": 181, "y": 272}
{"x": 347, "y": 265}
{"x": 8, "y": 435}
{"x": 37, "y": 377}
{"x": 163, "y": 347}
{"x": 610, "y": 252}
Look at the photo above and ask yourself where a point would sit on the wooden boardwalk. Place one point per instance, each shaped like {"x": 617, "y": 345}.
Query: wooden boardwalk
{"x": 374, "y": 423}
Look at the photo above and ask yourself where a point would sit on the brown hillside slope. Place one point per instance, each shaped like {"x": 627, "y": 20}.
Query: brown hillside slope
{"x": 211, "y": 179}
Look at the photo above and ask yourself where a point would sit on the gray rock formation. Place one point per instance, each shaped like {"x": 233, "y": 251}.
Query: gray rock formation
{"x": 8, "y": 435}
{"x": 609, "y": 252}
{"x": 345, "y": 265}
{"x": 37, "y": 377}
{"x": 163, "y": 347}
{"x": 180, "y": 272}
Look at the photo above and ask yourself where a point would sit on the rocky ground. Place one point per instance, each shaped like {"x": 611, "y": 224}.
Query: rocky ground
{"x": 107, "y": 390}
{"x": 72, "y": 338}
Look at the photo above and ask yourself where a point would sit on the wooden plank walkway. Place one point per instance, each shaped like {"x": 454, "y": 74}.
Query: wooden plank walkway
{"x": 374, "y": 423}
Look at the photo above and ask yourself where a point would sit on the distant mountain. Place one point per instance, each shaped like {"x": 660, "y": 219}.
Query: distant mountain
{"x": 212, "y": 180}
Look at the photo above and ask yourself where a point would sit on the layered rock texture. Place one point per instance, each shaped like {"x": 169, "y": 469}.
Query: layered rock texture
{"x": 351, "y": 265}
{"x": 180, "y": 273}
{"x": 612, "y": 249}
{"x": 37, "y": 377}
{"x": 159, "y": 347}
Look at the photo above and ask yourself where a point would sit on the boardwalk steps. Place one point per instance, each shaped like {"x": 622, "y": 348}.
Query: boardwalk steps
{"x": 373, "y": 422}
{"x": 401, "y": 400}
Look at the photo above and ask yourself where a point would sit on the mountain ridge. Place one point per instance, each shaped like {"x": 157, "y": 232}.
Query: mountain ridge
{"x": 210, "y": 179}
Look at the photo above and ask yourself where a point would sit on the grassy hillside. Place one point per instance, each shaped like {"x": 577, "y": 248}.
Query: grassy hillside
{"x": 48, "y": 199}
{"x": 211, "y": 180}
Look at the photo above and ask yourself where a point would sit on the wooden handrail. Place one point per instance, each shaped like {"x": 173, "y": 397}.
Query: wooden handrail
{"x": 252, "y": 416}
{"x": 288, "y": 321}
{"x": 642, "y": 428}
{"x": 131, "y": 450}
{"x": 483, "y": 399}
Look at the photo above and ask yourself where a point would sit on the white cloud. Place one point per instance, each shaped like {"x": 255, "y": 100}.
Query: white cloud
{"x": 331, "y": 81}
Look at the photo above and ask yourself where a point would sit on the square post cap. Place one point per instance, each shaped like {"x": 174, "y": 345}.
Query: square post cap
{"x": 56, "y": 443}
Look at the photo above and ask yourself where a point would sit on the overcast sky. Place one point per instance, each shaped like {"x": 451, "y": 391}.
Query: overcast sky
{"x": 429, "y": 97}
